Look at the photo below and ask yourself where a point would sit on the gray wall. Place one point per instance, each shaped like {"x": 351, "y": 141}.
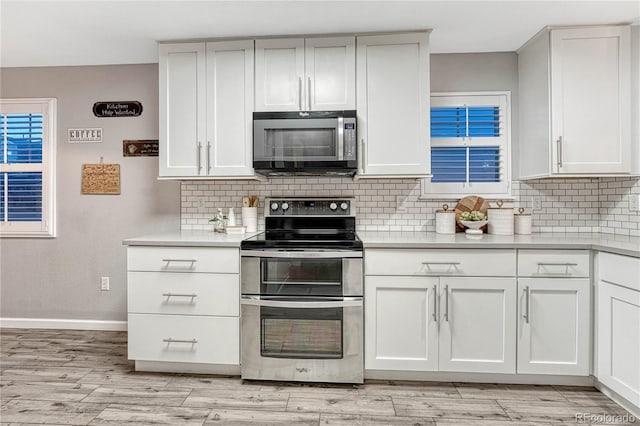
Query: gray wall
{"x": 60, "y": 277}
{"x": 466, "y": 72}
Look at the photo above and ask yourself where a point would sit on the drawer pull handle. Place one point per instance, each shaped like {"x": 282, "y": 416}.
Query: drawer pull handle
{"x": 452, "y": 265}
{"x": 566, "y": 266}
{"x": 172, "y": 340}
{"x": 192, "y": 295}
{"x": 168, "y": 261}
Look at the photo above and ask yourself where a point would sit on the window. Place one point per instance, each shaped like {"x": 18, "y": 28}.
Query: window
{"x": 27, "y": 167}
{"x": 470, "y": 145}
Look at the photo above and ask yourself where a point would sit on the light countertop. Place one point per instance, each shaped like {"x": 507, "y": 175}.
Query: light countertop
{"x": 619, "y": 244}
{"x": 190, "y": 238}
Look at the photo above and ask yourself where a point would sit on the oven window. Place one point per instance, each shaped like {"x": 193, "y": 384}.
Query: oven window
{"x": 301, "y": 332}
{"x": 300, "y": 144}
{"x": 303, "y": 277}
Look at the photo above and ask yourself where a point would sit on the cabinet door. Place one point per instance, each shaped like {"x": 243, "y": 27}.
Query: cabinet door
{"x": 401, "y": 328}
{"x": 554, "y": 326}
{"x": 330, "y": 73}
{"x": 393, "y": 105}
{"x": 477, "y": 331}
{"x": 182, "y": 108}
{"x": 279, "y": 74}
{"x": 619, "y": 340}
{"x": 590, "y": 100}
{"x": 229, "y": 108}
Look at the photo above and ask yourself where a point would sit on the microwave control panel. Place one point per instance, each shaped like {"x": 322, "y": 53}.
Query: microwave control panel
{"x": 350, "y": 139}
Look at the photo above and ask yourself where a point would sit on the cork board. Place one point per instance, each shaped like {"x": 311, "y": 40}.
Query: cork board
{"x": 101, "y": 179}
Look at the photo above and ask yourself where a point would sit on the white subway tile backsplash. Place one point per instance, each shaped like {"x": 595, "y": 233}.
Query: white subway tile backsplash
{"x": 568, "y": 205}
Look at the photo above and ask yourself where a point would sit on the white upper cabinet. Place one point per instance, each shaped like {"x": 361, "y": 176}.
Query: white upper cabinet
{"x": 393, "y": 105}
{"x": 229, "y": 108}
{"x": 206, "y": 104}
{"x": 314, "y": 74}
{"x": 182, "y": 108}
{"x": 575, "y": 102}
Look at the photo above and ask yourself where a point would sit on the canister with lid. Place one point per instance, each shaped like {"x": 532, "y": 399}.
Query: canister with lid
{"x": 523, "y": 222}
{"x": 500, "y": 220}
{"x": 445, "y": 220}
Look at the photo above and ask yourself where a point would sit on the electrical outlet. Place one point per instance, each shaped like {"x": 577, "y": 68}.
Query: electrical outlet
{"x": 401, "y": 204}
{"x": 536, "y": 202}
{"x": 201, "y": 204}
{"x": 104, "y": 283}
{"x": 634, "y": 202}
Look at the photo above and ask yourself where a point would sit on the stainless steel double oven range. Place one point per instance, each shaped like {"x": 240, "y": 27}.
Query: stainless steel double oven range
{"x": 302, "y": 290}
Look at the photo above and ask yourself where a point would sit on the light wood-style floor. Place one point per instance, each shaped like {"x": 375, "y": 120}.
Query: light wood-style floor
{"x": 84, "y": 377}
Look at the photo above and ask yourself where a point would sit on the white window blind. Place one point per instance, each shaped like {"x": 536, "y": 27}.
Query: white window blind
{"x": 27, "y": 167}
{"x": 470, "y": 145}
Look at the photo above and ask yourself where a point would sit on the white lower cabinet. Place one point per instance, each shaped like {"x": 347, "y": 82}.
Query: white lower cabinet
{"x": 440, "y": 323}
{"x": 401, "y": 324}
{"x": 618, "y": 324}
{"x": 554, "y": 326}
{"x": 184, "y": 338}
{"x": 476, "y": 331}
{"x": 184, "y": 306}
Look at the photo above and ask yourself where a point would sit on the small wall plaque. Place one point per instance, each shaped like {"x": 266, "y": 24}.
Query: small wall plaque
{"x": 117, "y": 109}
{"x": 101, "y": 179}
{"x": 85, "y": 135}
{"x": 140, "y": 148}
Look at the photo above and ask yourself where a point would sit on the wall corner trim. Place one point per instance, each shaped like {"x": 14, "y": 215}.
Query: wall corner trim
{"x": 66, "y": 324}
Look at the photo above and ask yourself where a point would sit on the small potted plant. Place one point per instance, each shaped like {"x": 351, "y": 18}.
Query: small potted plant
{"x": 219, "y": 221}
{"x": 473, "y": 221}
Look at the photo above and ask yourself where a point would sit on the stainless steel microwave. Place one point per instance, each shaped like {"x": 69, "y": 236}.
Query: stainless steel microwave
{"x": 305, "y": 143}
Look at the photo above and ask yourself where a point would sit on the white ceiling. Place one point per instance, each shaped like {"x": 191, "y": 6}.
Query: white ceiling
{"x": 97, "y": 32}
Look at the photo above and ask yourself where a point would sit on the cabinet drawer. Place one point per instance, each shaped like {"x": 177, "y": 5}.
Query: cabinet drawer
{"x": 184, "y": 338}
{"x": 620, "y": 270}
{"x": 184, "y": 259}
{"x": 179, "y": 293}
{"x": 553, "y": 263}
{"x": 487, "y": 263}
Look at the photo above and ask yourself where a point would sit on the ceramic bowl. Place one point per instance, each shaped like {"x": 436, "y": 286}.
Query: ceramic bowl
{"x": 474, "y": 224}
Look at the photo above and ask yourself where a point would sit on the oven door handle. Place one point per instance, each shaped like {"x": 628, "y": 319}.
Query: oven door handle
{"x": 301, "y": 254}
{"x": 345, "y": 302}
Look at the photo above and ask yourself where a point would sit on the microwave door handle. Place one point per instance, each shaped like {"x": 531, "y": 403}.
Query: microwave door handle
{"x": 340, "y": 138}
{"x": 300, "y": 93}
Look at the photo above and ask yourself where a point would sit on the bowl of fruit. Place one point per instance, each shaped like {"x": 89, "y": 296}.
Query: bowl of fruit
{"x": 473, "y": 221}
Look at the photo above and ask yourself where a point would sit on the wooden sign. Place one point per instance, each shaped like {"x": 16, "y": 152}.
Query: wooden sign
{"x": 140, "y": 148}
{"x": 117, "y": 109}
{"x": 101, "y": 179}
{"x": 85, "y": 135}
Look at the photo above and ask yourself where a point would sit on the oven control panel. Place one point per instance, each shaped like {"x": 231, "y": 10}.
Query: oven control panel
{"x": 310, "y": 207}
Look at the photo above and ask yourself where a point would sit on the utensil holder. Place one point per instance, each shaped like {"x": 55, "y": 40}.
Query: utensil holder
{"x": 250, "y": 218}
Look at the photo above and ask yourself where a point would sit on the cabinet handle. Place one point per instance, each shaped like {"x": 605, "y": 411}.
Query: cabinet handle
{"x": 362, "y": 156}
{"x": 527, "y": 304}
{"x": 566, "y": 265}
{"x": 559, "y": 141}
{"x": 168, "y": 261}
{"x": 192, "y": 295}
{"x": 441, "y": 263}
{"x": 199, "y": 160}
{"x": 446, "y": 303}
{"x": 172, "y": 340}
{"x": 309, "y": 92}
{"x": 208, "y": 157}
{"x": 300, "y": 93}
{"x": 435, "y": 303}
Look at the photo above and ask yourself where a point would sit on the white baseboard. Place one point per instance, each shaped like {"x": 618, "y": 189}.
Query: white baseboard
{"x": 63, "y": 324}
{"x": 187, "y": 367}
